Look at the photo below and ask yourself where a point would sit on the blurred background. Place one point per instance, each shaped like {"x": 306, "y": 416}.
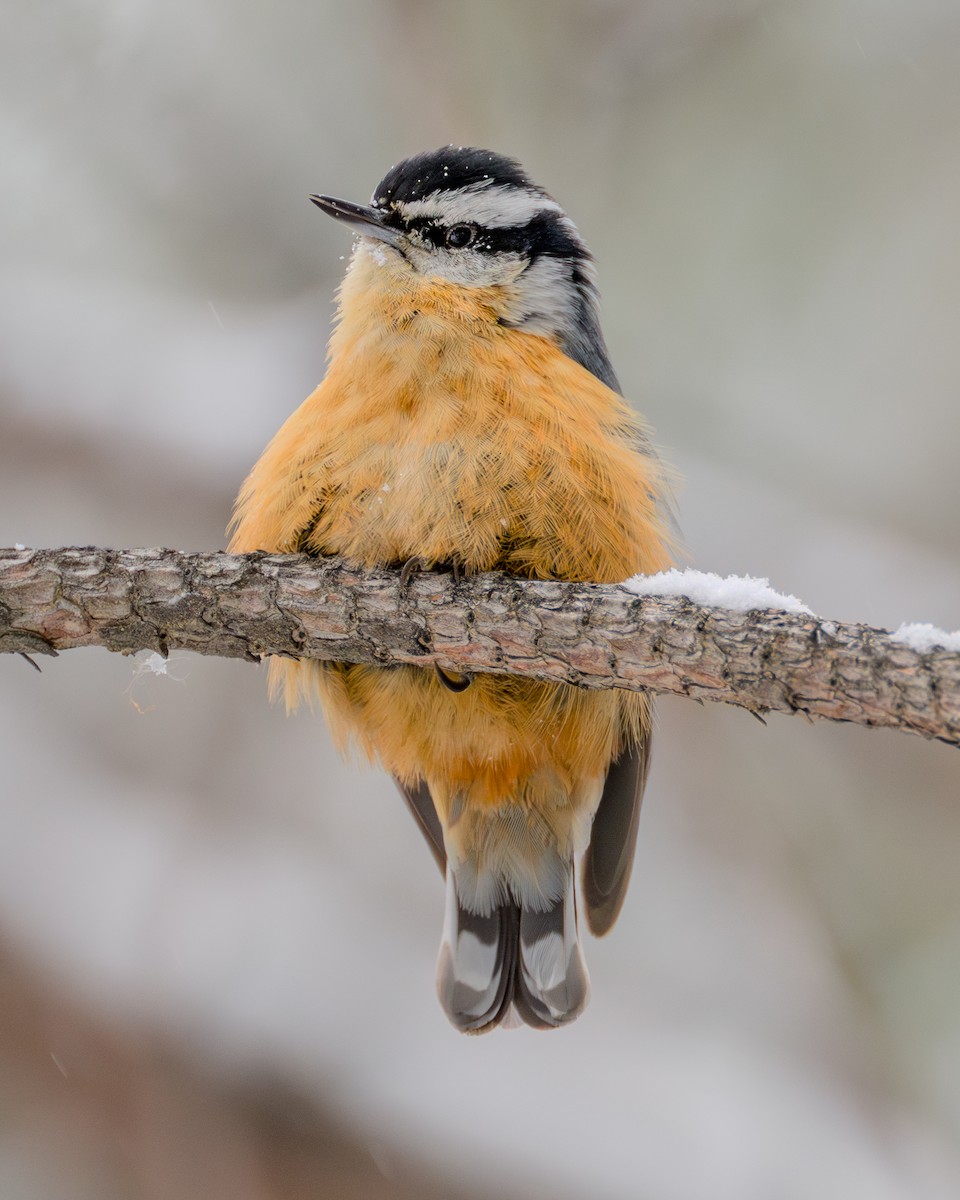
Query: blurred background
{"x": 217, "y": 941}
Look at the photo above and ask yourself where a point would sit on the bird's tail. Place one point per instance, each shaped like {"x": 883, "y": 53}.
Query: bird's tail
{"x": 514, "y": 956}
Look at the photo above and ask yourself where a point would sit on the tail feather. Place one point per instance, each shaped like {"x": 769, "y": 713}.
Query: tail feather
{"x": 476, "y": 964}
{"x": 513, "y": 956}
{"x": 551, "y": 986}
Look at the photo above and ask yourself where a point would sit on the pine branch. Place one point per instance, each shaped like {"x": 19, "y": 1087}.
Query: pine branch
{"x": 589, "y": 635}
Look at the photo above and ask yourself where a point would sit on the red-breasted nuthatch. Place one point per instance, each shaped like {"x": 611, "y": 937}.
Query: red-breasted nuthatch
{"x": 470, "y": 418}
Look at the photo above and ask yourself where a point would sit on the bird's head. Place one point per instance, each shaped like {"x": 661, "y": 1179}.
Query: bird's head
{"x": 474, "y": 218}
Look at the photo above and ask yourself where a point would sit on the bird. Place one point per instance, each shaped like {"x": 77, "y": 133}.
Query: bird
{"x": 470, "y": 421}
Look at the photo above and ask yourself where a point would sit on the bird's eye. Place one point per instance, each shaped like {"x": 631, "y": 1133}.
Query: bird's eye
{"x": 459, "y": 236}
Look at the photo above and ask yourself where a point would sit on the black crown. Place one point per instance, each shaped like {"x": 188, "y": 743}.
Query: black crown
{"x": 448, "y": 169}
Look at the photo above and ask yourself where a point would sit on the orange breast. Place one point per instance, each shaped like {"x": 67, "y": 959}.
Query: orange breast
{"x": 439, "y": 433}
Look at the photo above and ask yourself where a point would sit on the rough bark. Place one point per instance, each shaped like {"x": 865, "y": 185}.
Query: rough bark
{"x": 588, "y": 635}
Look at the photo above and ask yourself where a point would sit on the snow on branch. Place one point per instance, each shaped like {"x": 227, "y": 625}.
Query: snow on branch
{"x": 682, "y": 633}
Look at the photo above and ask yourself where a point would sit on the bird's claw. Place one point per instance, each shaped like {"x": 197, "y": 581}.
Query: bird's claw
{"x": 451, "y": 684}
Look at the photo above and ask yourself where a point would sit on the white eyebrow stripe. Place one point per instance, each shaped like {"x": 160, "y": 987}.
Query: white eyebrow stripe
{"x": 495, "y": 207}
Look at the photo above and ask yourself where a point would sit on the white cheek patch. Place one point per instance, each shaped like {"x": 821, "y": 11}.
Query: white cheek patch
{"x": 472, "y": 268}
{"x": 496, "y": 207}
{"x": 543, "y": 300}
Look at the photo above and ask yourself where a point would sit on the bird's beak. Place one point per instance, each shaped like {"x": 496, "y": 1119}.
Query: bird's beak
{"x": 361, "y": 219}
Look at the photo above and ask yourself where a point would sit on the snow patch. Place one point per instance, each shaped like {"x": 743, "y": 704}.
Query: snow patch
{"x": 923, "y": 637}
{"x": 154, "y": 664}
{"x": 376, "y": 250}
{"x": 742, "y": 593}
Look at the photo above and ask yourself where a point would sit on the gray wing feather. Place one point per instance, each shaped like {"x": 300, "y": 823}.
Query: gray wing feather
{"x": 420, "y": 803}
{"x": 613, "y": 838}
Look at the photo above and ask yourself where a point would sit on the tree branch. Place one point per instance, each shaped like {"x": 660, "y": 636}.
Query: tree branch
{"x": 589, "y": 635}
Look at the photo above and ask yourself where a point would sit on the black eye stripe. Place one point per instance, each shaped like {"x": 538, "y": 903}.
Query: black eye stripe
{"x": 546, "y": 233}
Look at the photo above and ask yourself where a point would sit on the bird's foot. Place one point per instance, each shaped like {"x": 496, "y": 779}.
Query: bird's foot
{"x": 413, "y": 566}
{"x": 458, "y": 684}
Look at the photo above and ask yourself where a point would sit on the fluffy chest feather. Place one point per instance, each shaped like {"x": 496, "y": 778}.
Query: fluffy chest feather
{"x": 438, "y": 432}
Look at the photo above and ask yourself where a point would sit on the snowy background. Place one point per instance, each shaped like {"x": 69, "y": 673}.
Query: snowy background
{"x": 217, "y": 941}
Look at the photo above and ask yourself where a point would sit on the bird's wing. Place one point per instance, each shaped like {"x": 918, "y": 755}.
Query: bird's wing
{"x": 420, "y": 803}
{"x": 613, "y": 837}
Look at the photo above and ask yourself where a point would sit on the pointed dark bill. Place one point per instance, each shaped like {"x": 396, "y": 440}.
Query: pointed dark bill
{"x": 361, "y": 218}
